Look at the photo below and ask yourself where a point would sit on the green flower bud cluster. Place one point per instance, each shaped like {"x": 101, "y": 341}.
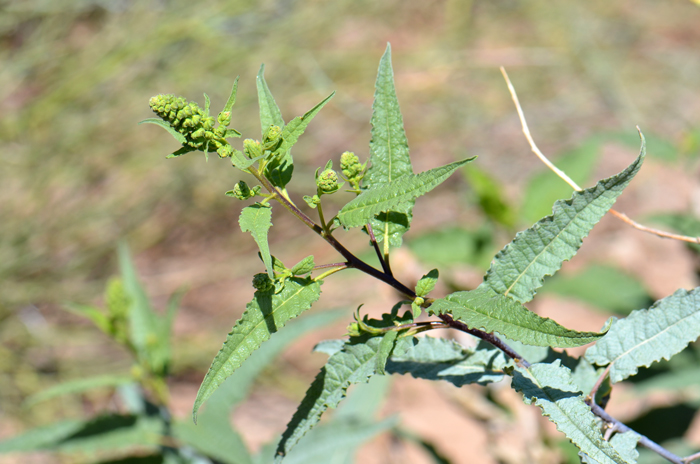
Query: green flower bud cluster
{"x": 263, "y": 283}
{"x": 351, "y": 168}
{"x": 241, "y": 191}
{"x": 327, "y": 182}
{"x": 193, "y": 123}
{"x": 271, "y": 139}
{"x": 252, "y": 148}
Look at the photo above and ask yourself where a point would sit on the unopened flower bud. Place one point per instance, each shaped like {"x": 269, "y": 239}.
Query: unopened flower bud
{"x": 252, "y": 148}
{"x": 263, "y": 283}
{"x": 224, "y": 118}
{"x": 271, "y": 139}
{"x": 350, "y": 165}
{"x": 327, "y": 182}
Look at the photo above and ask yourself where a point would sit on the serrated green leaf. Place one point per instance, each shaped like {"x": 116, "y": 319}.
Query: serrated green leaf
{"x": 355, "y": 363}
{"x": 265, "y": 315}
{"x": 304, "y": 266}
{"x": 257, "y": 219}
{"x": 232, "y": 97}
{"x": 550, "y": 387}
{"x": 231, "y": 133}
{"x": 78, "y": 386}
{"x": 426, "y": 284}
{"x": 383, "y": 198}
{"x": 385, "y": 347}
{"x": 646, "y": 336}
{"x": 213, "y": 435}
{"x": 279, "y": 169}
{"x": 166, "y": 125}
{"x": 486, "y": 310}
{"x": 388, "y": 153}
{"x": 270, "y": 114}
{"x": 238, "y": 160}
{"x": 180, "y": 152}
{"x": 519, "y": 269}
{"x": 441, "y": 359}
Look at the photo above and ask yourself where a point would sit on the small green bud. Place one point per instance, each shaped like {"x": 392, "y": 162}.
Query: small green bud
{"x": 242, "y": 191}
{"x": 224, "y": 150}
{"x": 263, "y": 283}
{"x": 350, "y": 165}
{"x": 252, "y": 148}
{"x": 327, "y": 182}
{"x": 271, "y": 139}
{"x": 224, "y": 118}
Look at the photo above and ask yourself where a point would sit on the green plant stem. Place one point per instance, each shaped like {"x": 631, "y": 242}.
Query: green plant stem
{"x": 324, "y": 225}
{"x": 354, "y": 262}
{"x": 644, "y": 441}
{"x": 375, "y": 245}
{"x": 332, "y": 271}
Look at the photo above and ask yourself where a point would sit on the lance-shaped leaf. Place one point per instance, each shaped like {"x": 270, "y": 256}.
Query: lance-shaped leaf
{"x": 550, "y": 387}
{"x": 519, "y": 269}
{"x": 257, "y": 219}
{"x": 232, "y": 97}
{"x": 385, "y": 197}
{"x": 266, "y": 314}
{"x": 388, "y": 153}
{"x": 166, "y": 125}
{"x": 270, "y": 114}
{"x": 488, "y": 311}
{"x": 646, "y": 336}
{"x": 426, "y": 284}
{"x": 355, "y": 363}
{"x": 279, "y": 169}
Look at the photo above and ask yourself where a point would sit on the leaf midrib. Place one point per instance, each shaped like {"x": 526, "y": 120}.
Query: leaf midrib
{"x": 556, "y": 237}
{"x": 658, "y": 334}
{"x": 570, "y": 419}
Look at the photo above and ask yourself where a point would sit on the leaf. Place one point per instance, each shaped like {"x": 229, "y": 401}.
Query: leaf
{"x": 519, "y": 269}
{"x": 355, "y": 363}
{"x": 441, "y": 359}
{"x": 266, "y": 314}
{"x": 78, "y": 386}
{"x": 105, "y": 433}
{"x": 270, "y": 114}
{"x": 488, "y": 311}
{"x": 647, "y": 336}
{"x": 95, "y": 315}
{"x": 238, "y": 160}
{"x": 279, "y": 169}
{"x": 385, "y": 347}
{"x": 232, "y": 97}
{"x": 336, "y": 442}
{"x": 257, "y": 219}
{"x": 304, "y": 266}
{"x": 550, "y": 387}
{"x": 383, "y": 198}
{"x": 144, "y": 326}
{"x": 180, "y": 152}
{"x": 426, "y": 284}
{"x": 604, "y": 287}
{"x": 207, "y": 104}
{"x": 166, "y": 125}
{"x": 388, "y": 152}
{"x": 490, "y": 196}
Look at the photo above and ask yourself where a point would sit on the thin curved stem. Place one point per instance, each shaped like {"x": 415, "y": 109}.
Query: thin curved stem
{"x": 533, "y": 146}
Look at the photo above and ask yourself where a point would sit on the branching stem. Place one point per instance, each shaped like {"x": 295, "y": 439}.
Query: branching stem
{"x": 385, "y": 264}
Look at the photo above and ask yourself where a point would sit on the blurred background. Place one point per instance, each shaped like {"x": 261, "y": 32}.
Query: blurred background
{"x": 78, "y": 175}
